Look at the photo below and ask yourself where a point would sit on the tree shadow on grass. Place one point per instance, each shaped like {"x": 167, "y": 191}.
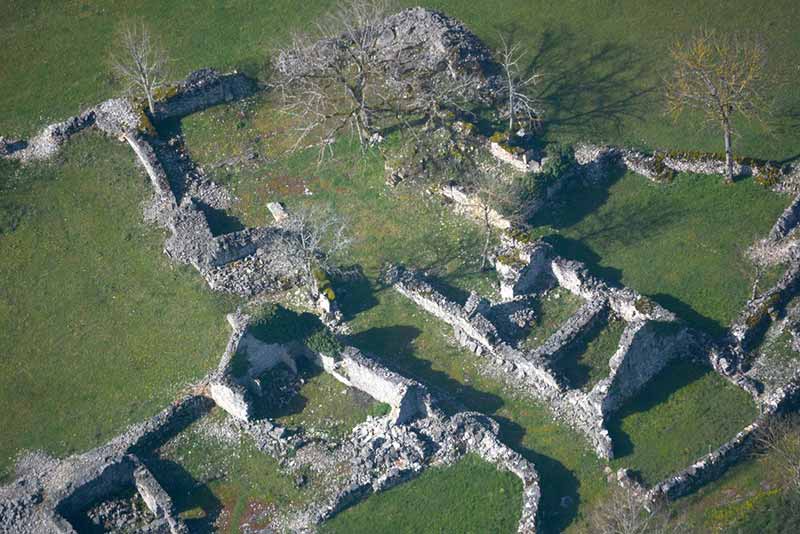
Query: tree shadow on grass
{"x": 576, "y": 250}
{"x": 354, "y": 293}
{"x": 393, "y": 345}
{"x": 672, "y": 378}
{"x": 586, "y": 89}
{"x": 560, "y": 499}
{"x": 577, "y": 202}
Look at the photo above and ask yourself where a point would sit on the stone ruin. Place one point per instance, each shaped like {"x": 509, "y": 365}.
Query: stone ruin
{"x": 641, "y": 353}
{"x": 653, "y": 337}
{"x": 49, "y": 494}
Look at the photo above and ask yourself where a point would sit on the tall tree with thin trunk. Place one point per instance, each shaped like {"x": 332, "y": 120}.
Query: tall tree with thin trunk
{"x": 720, "y": 76}
{"x": 494, "y": 194}
{"x": 519, "y": 102}
{"x": 140, "y": 62}
{"x": 780, "y": 439}
{"x": 624, "y": 511}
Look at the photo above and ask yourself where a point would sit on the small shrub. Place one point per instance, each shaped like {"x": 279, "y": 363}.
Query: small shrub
{"x": 520, "y": 235}
{"x": 510, "y": 260}
{"x": 561, "y": 158}
{"x": 644, "y": 305}
{"x": 499, "y": 137}
{"x": 380, "y": 410}
{"x": 165, "y": 92}
{"x": 324, "y": 342}
{"x": 145, "y": 126}
{"x": 768, "y": 176}
{"x": 663, "y": 173}
{"x": 323, "y": 283}
{"x": 761, "y": 313}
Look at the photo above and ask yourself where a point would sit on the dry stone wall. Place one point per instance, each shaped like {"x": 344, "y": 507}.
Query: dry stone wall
{"x": 643, "y": 351}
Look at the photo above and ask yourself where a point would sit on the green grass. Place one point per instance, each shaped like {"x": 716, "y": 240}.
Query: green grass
{"x": 682, "y": 414}
{"x": 471, "y": 496}
{"x": 403, "y": 226}
{"x": 602, "y": 62}
{"x": 585, "y": 362}
{"x": 553, "y": 309}
{"x": 97, "y": 328}
{"x": 749, "y": 498}
{"x": 211, "y": 481}
{"x": 322, "y": 404}
{"x": 682, "y": 244}
{"x": 412, "y": 341}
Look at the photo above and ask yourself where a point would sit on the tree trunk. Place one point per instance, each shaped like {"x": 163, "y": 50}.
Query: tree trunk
{"x": 150, "y": 104}
{"x": 726, "y": 127}
{"x": 510, "y": 104}
{"x": 488, "y": 228}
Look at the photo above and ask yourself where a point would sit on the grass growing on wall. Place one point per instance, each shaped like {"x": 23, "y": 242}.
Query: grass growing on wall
{"x": 97, "y": 328}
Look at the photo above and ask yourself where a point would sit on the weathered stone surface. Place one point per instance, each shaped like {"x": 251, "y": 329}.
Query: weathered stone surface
{"x": 48, "y": 142}
{"x": 355, "y": 370}
{"x": 48, "y": 491}
{"x": 157, "y": 500}
{"x": 420, "y": 38}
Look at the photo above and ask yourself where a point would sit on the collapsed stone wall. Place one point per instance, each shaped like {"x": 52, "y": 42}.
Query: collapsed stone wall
{"x": 415, "y": 39}
{"x": 596, "y": 160}
{"x": 47, "y": 491}
{"x": 643, "y": 351}
{"x": 527, "y": 371}
{"x": 48, "y": 142}
{"x": 203, "y": 89}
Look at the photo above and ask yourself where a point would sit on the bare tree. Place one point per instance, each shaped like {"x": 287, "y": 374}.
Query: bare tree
{"x": 139, "y": 61}
{"x": 780, "y": 439}
{"x": 518, "y": 84}
{"x": 313, "y": 238}
{"x": 344, "y": 77}
{"x": 624, "y": 511}
{"x": 720, "y": 76}
{"x": 493, "y": 195}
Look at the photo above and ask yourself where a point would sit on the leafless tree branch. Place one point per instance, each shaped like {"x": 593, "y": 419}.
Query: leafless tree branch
{"x": 139, "y": 61}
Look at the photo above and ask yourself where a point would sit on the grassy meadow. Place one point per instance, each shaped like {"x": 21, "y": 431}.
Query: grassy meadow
{"x": 98, "y": 329}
